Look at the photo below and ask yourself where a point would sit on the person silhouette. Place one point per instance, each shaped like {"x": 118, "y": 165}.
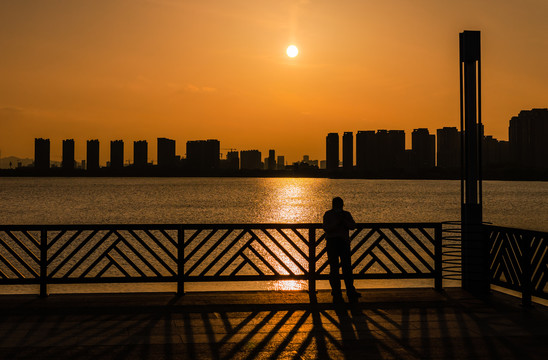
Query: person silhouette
{"x": 336, "y": 223}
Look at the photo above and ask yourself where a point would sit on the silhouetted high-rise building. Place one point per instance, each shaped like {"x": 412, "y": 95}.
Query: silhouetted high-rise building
{"x": 212, "y": 154}
{"x": 409, "y": 160}
{"x": 140, "y": 153}
{"x": 233, "y": 160}
{"x": 495, "y": 153}
{"x": 448, "y": 139}
{"x": 68, "y": 154}
{"x": 92, "y": 155}
{"x": 250, "y": 159}
{"x": 166, "y": 152}
{"x": 117, "y": 154}
{"x": 203, "y": 155}
{"x": 41, "y": 153}
{"x": 381, "y": 151}
{"x": 280, "y": 163}
{"x": 424, "y": 148}
{"x": 271, "y": 160}
{"x": 396, "y": 149}
{"x": 382, "y": 144}
{"x": 389, "y": 149}
{"x": 332, "y": 151}
{"x": 348, "y": 151}
{"x": 366, "y": 151}
{"x": 528, "y": 136}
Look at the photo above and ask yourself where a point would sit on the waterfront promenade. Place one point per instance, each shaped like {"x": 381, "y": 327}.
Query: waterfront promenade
{"x": 384, "y": 324}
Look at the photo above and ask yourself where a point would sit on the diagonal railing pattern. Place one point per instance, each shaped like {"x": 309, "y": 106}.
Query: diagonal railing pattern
{"x": 69, "y": 254}
{"x": 519, "y": 260}
{"x": 19, "y": 256}
{"x": 246, "y": 252}
{"x": 123, "y": 254}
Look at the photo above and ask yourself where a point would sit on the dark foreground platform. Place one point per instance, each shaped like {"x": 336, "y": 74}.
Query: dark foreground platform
{"x": 384, "y": 324}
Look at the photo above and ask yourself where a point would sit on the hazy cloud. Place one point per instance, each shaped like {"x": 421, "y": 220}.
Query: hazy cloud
{"x": 14, "y": 113}
{"x": 10, "y": 114}
{"x": 7, "y": 110}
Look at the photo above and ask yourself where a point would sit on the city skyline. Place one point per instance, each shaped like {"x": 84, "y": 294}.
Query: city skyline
{"x": 381, "y": 152}
{"x": 151, "y": 154}
{"x": 140, "y": 70}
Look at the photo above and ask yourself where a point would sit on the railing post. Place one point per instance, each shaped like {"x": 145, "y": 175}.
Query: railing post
{"x": 43, "y": 263}
{"x": 312, "y": 262}
{"x": 526, "y": 266}
{"x": 181, "y": 261}
{"x": 438, "y": 264}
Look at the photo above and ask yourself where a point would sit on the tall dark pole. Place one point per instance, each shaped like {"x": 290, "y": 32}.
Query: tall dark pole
{"x": 475, "y": 265}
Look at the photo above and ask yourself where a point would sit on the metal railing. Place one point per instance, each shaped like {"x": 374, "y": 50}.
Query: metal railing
{"x": 181, "y": 253}
{"x": 451, "y": 250}
{"x": 518, "y": 260}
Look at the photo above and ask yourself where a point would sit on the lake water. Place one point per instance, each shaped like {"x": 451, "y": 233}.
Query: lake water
{"x": 258, "y": 200}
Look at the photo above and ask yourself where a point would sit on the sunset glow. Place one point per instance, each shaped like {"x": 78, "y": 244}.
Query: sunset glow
{"x": 139, "y": 70}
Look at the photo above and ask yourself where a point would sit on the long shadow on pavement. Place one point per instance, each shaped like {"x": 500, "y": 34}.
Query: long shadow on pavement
{"x": 202, "y": 326}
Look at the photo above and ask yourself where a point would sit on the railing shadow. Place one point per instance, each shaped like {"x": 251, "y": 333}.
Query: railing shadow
{"x": 446, "y": 327}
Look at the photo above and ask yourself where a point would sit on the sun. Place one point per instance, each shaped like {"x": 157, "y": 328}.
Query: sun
{"x": 292, "y": 51}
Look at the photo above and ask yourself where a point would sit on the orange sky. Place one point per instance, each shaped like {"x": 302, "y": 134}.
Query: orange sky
{"x": 187, "y": 70}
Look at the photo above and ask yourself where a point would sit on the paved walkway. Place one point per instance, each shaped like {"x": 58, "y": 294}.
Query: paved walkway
{"x": 384, "y": 324}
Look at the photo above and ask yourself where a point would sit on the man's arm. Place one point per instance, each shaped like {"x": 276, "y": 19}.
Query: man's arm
{"x": 349, "y": 221}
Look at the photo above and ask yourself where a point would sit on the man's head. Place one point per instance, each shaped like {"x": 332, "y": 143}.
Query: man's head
{"x": 338, "y": 203}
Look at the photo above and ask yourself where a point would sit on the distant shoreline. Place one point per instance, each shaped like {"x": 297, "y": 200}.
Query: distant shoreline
{"x": 435, "y": 174}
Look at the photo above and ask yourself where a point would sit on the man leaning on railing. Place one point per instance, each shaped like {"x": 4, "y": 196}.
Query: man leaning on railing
{"x": 336, "y": 224}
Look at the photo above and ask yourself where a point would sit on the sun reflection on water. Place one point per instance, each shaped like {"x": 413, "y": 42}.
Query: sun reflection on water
{"x": 288, "y": 285}
{"x": 290, "y": 201}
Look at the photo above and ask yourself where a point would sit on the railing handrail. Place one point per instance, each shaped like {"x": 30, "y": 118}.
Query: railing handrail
{"x": 184, "y": 226}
